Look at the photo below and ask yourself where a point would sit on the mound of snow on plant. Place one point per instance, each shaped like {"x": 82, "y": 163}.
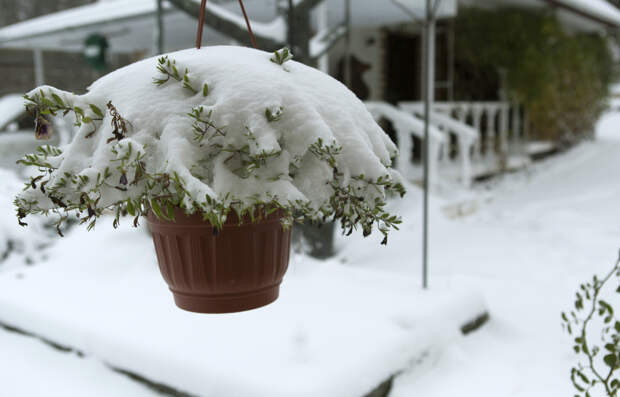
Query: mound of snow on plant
{"x": 230, "y": 126}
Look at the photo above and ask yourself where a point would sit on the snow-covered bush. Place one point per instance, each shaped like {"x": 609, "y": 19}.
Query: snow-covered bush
{"x": 214, "y": 130}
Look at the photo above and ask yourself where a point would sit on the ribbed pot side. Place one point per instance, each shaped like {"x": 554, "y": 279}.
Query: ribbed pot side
{"x": 240, "y": 268}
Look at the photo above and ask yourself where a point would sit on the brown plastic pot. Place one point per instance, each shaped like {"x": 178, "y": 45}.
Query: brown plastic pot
{"x": 238, "y": 268}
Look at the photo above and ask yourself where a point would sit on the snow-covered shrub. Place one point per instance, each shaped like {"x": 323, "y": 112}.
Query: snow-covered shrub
{"x": 561, "y": 77}
{"x": 214, "y": 130}
{"x": 593, "y": 318}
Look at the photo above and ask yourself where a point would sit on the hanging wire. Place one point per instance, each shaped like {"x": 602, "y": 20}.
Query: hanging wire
{"x": 201, "y": 21}
{"x": 247, "y": 22}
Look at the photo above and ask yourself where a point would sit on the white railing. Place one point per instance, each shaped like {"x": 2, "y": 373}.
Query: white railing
{"x": 406, "y": 124}
{"x": 468, "y": 139}
{"x": 499, "y": 125}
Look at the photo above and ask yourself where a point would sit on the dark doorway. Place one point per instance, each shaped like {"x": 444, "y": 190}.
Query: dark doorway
{"x": 402, "y": 67}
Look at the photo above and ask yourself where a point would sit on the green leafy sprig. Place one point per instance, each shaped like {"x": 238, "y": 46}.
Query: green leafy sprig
{"x": 281, "y": 56}
{"x": 168, "y": 67}
{"x": 591, "y": 372}
{"x": 41, "y": 105}
{"x": 274, "y": 114}
{"x": 204, "y": 127}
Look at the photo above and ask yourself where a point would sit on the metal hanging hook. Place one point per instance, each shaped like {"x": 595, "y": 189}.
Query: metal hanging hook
{"x": 201, "y": 21}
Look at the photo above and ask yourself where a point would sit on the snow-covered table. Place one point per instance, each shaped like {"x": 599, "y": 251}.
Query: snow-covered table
{"x": 100, "y": 293}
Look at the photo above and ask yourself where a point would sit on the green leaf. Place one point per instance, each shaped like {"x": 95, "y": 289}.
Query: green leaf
{"x": 610, "y": 360}
{"x": 58, "y": 100}
{"x": 170, "y": 209}
{"x": 156, "y": 209}
{"x": 281, "y": 56}
{"x": 47, "y": 102}
{"x": 205, "y": 89}
{"x": 96, "y": 110}
{"x": 130, "y": 208}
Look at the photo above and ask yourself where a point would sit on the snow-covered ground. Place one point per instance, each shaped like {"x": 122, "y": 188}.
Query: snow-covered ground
{"x": 526, "y": 242}
{"x": 527, "y": 248}
{"x": 30, "y": 369}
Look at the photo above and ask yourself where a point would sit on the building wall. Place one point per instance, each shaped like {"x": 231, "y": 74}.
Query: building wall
{"x": 66, "y": 71}
{"x": 367, "y": 48}
{"x": 63, "y": 70}
{"x": 388, "y": 62}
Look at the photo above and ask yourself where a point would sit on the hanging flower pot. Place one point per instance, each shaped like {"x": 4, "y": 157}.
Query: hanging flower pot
{"x": 224, "y": 149}
{"x": 237, "y": 267}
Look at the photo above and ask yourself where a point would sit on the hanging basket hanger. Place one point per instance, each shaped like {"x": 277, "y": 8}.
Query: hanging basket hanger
{"x": 201, "y": 21}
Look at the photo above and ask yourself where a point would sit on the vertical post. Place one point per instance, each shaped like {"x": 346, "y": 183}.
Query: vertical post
{"x": 505, "y": 114}
{"x": 347, "y": 52}
{"x": 39, "y": 79}
{"x": 323, "y": 25}
{"x": 159, "y": 28}
{"x": 429, "y": 86}
{"x": 451, "y": 60}
{"x": 290, "y": 18}
{"x": 477, "y": 115}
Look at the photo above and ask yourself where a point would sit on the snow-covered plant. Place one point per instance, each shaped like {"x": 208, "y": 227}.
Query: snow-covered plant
{"x": 214, "y": 130}
{"x": 599, "y": 365}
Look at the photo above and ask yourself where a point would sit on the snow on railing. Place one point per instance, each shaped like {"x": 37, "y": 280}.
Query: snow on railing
{"x": 500, "y": 125}
{"x": 405, "y": 125}
{"x": 466, "y": 136}
{"x": 500, "y": 129}
{"x": 481, "y": 135}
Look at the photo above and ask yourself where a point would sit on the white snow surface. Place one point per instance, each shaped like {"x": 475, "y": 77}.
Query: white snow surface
{"x": 336, "y": 330}
{"x": 18, "y": 243}
{"x": 528, "y": 248}
{"x": 243, "y": 83}
{"x": 598, "y": 8}
{"x": 11, "y": 107}
{"x": 31, "y": 369}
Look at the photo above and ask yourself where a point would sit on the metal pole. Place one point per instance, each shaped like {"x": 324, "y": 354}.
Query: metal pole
{"x": 159, "y": 34}
{"x": 39, "y": 79}
{"x": 347, "y": 53}
{"x": 429, "y": 87}
{"x": 291, "y": 26}
{"x": 323, "y": 25}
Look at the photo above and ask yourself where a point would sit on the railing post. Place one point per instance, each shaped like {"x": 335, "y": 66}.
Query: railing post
{"x": 490, "y": 137}
{"x": 460, "y": 116}
{"x": 405, "y": 147}
{"x": 477, "y": 118}
{"x": 503, "y": 133}
{"x": 526, "y": 128}
{"x": 516, "y": 125}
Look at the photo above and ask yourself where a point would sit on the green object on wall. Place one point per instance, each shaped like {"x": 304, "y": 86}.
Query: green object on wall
{"x": 95, "y": 50}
